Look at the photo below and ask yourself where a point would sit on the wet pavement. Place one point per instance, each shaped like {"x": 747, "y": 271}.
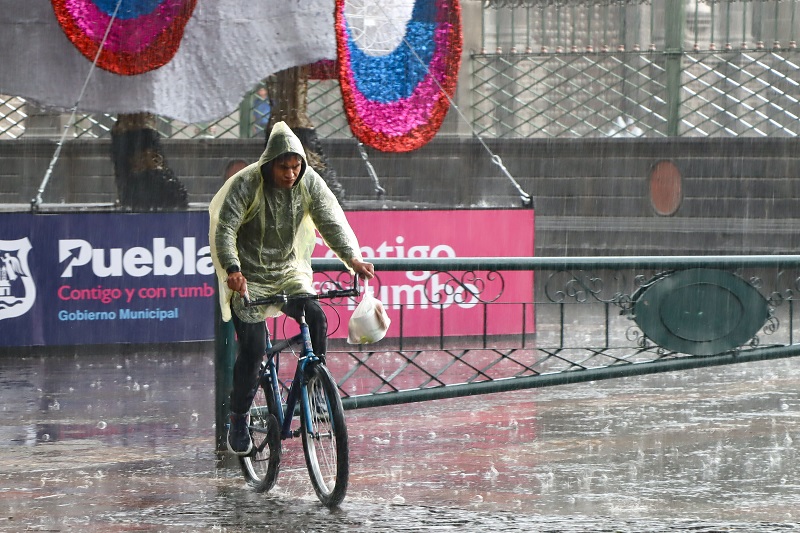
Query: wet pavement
{"x": 125, "y": 442}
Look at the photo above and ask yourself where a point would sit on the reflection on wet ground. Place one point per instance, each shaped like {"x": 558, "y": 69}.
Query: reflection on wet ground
{"x": 107, "y": 443}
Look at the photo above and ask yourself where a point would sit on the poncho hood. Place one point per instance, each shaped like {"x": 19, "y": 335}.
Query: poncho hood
{"x": 282, "y": 140}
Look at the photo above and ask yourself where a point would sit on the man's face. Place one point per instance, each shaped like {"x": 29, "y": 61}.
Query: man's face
{"x": 286, "y": 170}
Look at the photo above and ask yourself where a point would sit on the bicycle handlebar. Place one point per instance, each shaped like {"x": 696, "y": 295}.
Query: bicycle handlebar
{"x": 283, "y": 298}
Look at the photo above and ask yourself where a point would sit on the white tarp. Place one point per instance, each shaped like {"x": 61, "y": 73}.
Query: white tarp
{"x": 228, "y": 47}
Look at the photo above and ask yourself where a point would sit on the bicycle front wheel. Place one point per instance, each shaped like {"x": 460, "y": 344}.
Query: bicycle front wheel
{"x": 325, "y": 437}
{"x": 260, "y": 468}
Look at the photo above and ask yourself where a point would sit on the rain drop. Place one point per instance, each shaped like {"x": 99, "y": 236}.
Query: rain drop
{"x": 102, "y": 425}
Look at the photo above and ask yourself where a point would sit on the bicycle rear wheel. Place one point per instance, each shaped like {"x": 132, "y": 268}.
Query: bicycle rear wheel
{"x": 325, "y": 446}
{"x": 260, "y": 467}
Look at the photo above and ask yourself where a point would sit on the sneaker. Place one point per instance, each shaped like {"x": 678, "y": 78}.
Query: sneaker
{"x": 239, "y": 441}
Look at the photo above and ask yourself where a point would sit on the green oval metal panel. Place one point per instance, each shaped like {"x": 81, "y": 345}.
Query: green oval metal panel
{"x": 700, "y": 311}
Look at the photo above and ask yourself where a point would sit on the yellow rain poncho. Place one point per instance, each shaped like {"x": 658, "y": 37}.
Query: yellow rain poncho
{"x": 268, "y": 232}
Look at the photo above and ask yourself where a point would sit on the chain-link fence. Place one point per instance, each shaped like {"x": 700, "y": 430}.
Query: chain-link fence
{"x": 722, "y": 94}
{"x": 18, "y": 117}
{"x": 12, "y": 117}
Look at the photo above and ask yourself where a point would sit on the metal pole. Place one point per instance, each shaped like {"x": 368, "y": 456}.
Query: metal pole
{"x": 225, "y": 356}
{"x": 569, "y": 263}
{"x": 246, "y": 116}
{"x": 674, "y": 55}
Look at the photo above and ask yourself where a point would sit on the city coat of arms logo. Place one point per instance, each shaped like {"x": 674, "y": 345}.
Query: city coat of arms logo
{"x": 17, "y": 288}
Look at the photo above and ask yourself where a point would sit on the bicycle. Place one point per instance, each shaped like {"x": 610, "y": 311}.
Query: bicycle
{"x": 314, "y": 393}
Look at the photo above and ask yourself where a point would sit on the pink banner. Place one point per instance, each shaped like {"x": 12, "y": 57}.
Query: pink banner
{"x": 446, "y": 301}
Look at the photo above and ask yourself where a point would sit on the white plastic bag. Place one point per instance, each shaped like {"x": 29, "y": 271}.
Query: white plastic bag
{"x": 369, "y": 322}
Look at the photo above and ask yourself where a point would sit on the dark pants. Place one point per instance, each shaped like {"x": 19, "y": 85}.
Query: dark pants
{"x": 252, "y": 339}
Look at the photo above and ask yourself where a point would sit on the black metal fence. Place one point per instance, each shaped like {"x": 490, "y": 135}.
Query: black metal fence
{"x": 593, "y": 320}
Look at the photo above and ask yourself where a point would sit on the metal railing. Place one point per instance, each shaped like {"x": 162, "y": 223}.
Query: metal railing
{"x": 525, "y": 26}
{"x": 590, "y": 324}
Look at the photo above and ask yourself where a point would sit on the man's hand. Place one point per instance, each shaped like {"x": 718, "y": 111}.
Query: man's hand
{"x": 363, "y": 269}
{"x": 237, "y": 283}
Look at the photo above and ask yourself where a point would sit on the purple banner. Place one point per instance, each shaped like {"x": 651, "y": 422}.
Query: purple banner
{"x": 105, "y": 278}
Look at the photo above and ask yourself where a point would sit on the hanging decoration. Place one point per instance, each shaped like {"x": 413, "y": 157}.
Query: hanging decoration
{"x": 145, "y": 34}
{"x": 396, "y": 102}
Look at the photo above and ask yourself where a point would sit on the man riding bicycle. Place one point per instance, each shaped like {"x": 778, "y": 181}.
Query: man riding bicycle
{"x": 262, "y": 235}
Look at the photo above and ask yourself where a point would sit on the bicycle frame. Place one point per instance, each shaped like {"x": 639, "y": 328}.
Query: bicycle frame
{"x": 298, "y": 386}
{"x": 286, "y": 414}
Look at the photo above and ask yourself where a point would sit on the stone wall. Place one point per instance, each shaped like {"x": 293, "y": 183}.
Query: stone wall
{"x": 592, "y": 197}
